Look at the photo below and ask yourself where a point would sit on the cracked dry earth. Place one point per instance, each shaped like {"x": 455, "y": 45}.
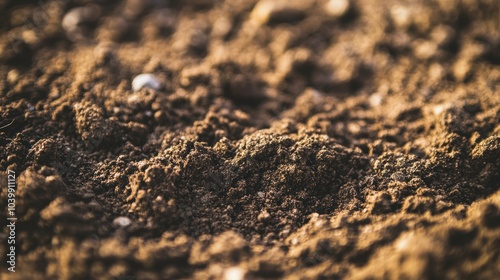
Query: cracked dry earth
{"x": 288, "y": 139}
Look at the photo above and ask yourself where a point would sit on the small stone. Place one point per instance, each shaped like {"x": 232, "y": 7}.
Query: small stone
{"x": 375, "y": 99}
{"x": 76, "y": 18}
{"x": 439, "y": 109}
{"x": 234, "y": 273}
{"x": 145, "y": 80}
{"x": 122, "y": 221}
{"x": 279, "y": 11}
{"x": 337, "y": 8}
{"x": 72, "y": 19}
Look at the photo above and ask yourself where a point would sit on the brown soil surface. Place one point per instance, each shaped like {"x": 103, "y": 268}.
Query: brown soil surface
{"x": 287, "y": 140}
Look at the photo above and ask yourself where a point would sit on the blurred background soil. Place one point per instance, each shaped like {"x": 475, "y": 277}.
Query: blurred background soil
{"x": 318, "y": 139}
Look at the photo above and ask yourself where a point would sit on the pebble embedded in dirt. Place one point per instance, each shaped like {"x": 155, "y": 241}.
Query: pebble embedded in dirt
{"x": 145, "y": 81}
{"x": 337, "y": 8}
{"x": 266, "y": 11}
{"x": 122, "y": 221}
{"x": 234, "y": 273}
{"x": 75, "y": 21}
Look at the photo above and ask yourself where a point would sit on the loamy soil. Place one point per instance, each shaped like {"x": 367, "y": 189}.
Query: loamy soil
{"x": 289, "y": 139}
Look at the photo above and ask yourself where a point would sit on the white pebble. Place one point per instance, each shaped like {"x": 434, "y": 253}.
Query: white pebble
{"x": 72, "y": 19}
{"x": 438, "y": 109}
{"x": 145, "y": 80}
{"x": 80, "y": 15}
{"x": 122, "y": 222}
{"x": 280, "y": 10}
{"x": 337, "y": 8}
{"x": 234, "y": 273}
{"x": 376, "y": 99}
{"x": 404, "y": 242}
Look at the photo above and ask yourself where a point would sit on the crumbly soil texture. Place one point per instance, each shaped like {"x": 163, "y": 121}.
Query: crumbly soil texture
{"x": 351, "y": 139}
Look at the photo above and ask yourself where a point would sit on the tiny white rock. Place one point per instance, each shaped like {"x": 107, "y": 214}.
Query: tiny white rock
{"x": 122, "y": 221}
{"x": 281, "y": 10}
{"x": 72, "y": 19}
{"x": 234, "y": 273}
{"x": 376, "y": 99}
{"x": 145, "y": 80}
{"x": 80, "y": 15}
{"x": 337, "y": 8}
